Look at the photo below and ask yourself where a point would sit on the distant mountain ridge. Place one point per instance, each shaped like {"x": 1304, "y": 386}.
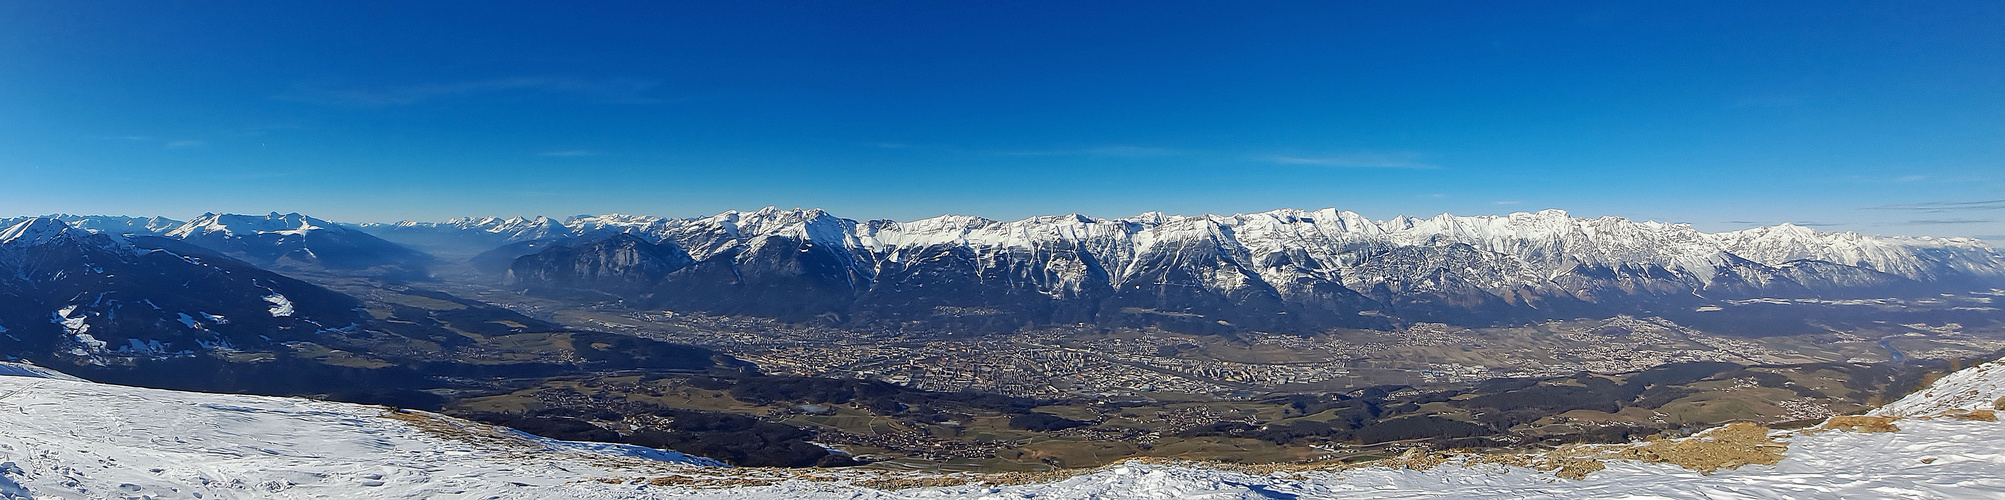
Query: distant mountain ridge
{"x": 74, "y": 296}
{"x": 1284, "y": 269}
{"x": 1545, "y": 237}
{"x": 287, "y": 240}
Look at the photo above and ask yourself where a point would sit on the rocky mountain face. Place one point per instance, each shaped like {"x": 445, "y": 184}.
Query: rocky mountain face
{"x": 1279, "y": 270}
{"x": 73, "y": 297}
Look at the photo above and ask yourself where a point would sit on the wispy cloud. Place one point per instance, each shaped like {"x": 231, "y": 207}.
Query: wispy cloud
{"x": 186, "y": 144}
{"x": 1804, "y": 223}
{"x": 1768, "y": 101}
{"x": 1359, "y": 160}
{"x": 611, "y": 90}
{"x": 1114, "y": 151}
{"x": 1944, "y": 206}
{"x": 1931, "y": 222}
{"x": 1131, "y": 151}
{"x": 574, "y": 153}
{"x": 1931, "y": 178}
{"x": 1512, "y": 202}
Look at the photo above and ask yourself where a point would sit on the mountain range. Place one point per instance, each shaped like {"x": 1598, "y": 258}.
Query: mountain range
{"x": 291, "y": 241}
{"x": 93, "y": 298}
{"x": 1284, "y": 270}
{"x": 177, "y": 306}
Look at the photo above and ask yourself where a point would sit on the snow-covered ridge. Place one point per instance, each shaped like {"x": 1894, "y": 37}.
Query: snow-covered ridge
{"x": 33, "y": 231}
{"x": 1550, "y": 242}
{"x": 242, "y": 225}
{"x": 108, "y": 224}
{"x": 9, "y": 369}
{"x": 36, "y": 231}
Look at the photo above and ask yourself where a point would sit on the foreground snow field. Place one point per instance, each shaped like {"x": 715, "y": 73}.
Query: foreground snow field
{"x": 72, "y": 439}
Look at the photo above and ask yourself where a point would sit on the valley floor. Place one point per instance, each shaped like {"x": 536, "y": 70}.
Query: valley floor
{"x": 71, "y": 439}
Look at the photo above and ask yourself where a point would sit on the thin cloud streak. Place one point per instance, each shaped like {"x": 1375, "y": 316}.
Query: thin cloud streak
{"x": 1944, "y": 206}
{"x": 612, "y": 90}
{"x": 1931, "y": 222}
{"x": 568, "y": 154}
{"x": 1357, "y": 161}
{"x": 1803, "y": 223}
{"x": 1118, "y": 151}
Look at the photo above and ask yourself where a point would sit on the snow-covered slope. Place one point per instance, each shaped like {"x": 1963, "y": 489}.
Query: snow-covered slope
{"x": 1980, "y": 387}
{"x": 71, "y": 439}
{"x": 68, "y": 439}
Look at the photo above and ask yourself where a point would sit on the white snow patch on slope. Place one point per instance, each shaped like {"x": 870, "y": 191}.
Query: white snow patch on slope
{"x": 75, "y": 326}
{"x": 1980, "y": 387}
{"x": 281, "y": 306}
{"x": 8, "y": 369}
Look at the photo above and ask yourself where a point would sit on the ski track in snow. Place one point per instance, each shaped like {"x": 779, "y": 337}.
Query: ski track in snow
{"x": 72, "y": 439}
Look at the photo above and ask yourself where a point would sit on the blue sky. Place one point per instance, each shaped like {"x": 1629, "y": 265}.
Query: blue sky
{"x": 1879, "y": 117}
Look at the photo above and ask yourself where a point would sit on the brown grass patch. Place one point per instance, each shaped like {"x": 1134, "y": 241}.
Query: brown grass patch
{"x": 906, "y": 483}
{"x": 672, "y": 480}
{"x": 1259, "y": 469}
{"x": 1570, "y": 462}
{"x": 1860, "y": 423}
{"x": 1574, "y": 467}
{"x": 1974, "y": 415}
{"x": 708, "y": 482}
{"x": 447, "y": 428}
{"x": 1726, "y": 447}
{"x": 1414, "y": 459}
{"x": 1039, "y": 477}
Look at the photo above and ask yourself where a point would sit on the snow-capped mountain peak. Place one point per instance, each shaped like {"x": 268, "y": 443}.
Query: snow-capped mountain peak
{"x": 295, "y": 238}
{"x": 34, "y": 231}
{"x": 235, "y": 225}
